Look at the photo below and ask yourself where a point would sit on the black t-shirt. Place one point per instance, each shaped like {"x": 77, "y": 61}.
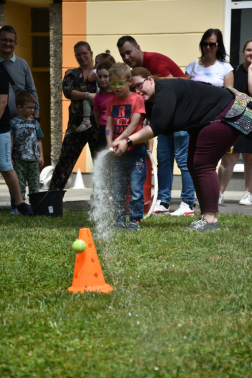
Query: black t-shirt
{"x": 5, "y": 119}
{"x": 181, "y": 104}
{"x": 241, "y": 79}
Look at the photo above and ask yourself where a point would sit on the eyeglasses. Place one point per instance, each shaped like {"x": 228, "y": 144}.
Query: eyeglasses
{"x": 29, "y": 107}
{"x": 4, "y": 40}
{"x": 212, "y": 45}
{"x": 120, "y": 84}
{"x": 139, "y": 85}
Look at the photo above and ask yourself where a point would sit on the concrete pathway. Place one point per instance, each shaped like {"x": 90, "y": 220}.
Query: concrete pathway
{"x": 78, "y": 199}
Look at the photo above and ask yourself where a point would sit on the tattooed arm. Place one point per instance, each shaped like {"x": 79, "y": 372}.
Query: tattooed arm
{"x": 109, "y": 131}
{"x": 135, "y": 119}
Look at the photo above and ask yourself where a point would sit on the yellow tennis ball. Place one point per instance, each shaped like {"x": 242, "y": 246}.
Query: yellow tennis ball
{"x": 79, "y": 245}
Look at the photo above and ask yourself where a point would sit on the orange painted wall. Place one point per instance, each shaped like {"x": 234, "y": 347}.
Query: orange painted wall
{"x": 73, "y": 31}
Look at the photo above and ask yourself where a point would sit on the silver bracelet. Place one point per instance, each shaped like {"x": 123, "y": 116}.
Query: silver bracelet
{"x": 86, "y": 95}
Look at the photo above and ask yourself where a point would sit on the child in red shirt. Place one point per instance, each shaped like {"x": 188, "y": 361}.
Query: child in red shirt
{"x": 125, "y": 113}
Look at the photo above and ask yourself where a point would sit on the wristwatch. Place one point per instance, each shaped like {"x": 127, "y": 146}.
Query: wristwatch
{"x": 129, "y": 141}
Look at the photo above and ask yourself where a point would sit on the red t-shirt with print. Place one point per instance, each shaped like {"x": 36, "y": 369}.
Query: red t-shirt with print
{"x": 121, "y": 111}
{"x": 159, "y": 64}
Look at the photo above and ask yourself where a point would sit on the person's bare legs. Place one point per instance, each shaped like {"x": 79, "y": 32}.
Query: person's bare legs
{"x": 12, "y": 182}
{"x": 225, "y": 171}
{"x": 247, "y": 159}
{"x": 211, "y": 217}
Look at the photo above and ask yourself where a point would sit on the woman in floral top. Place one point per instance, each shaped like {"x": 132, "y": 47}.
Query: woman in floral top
{"x": 76, "y": 88}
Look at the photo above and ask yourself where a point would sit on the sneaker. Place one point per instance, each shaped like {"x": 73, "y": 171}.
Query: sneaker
{"x": 14, "y": 212}
{"x": 133, "y": 226}
{"x": 202, "y": 225}
{"x": 160, "y": 208}
{"x": 195, "y": 222}
{"x": 183, "y": 209}
{"x": 221, "y": 199}
{"x": 246, "y": 199}
{"x": 83, "y": 126}
{"x": 24, "y": 209}
{"x": 120, "y": 226}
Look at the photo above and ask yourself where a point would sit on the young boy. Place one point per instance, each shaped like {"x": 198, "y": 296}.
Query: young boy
{"x": 125, "y": 113}
{"x": 26, "y": 145}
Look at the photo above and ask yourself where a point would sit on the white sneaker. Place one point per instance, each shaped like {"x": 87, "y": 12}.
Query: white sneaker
{"x": 221, "y": 199}
{"x": 246, "y": 199}
{"x": 183, "y": 209}
{"x": 160, "y": 209}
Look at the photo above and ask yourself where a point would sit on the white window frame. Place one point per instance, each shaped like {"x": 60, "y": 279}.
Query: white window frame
{"x": 227, "y": 39}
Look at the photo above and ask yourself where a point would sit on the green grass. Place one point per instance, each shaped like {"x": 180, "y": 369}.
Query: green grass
{"x": 181, "y": 304}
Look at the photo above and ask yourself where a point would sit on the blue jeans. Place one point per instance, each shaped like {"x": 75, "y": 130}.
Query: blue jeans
{"x": 129, "y": 169}
{"x": 170, "y": 147}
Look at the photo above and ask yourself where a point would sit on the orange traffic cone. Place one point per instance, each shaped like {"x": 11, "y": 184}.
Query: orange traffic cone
{"x": 87, "y": 271}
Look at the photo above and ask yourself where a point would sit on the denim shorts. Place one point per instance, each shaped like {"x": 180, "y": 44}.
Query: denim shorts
{"x": 5, "y": 152}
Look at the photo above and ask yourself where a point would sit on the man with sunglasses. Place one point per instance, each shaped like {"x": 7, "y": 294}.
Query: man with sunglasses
{"x": 18, "y": 73}
{"x": 170, "y": 147}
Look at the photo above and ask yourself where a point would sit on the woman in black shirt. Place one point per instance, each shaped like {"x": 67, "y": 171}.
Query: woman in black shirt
{"x": 199, "y": 108}
{"x": 243, "y": 83}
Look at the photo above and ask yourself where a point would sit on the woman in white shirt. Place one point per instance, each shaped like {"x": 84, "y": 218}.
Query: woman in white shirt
{"x": 211, "y": 67}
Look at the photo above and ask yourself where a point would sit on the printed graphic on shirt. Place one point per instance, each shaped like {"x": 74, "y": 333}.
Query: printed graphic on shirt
{"x": 26, "y": 134}
{"x": 121, "y": 117}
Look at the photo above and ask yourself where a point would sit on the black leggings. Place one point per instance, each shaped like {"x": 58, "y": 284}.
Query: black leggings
{"x": 72, "y": 146}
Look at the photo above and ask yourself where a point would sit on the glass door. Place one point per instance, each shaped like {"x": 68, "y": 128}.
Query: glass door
{"x": 238, "y": 28}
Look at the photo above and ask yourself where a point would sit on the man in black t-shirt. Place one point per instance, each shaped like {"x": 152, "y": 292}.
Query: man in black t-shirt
{"x": 6, "y": 167}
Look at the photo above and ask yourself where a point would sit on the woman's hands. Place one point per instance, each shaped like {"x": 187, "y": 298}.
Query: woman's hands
{"x": 141, "y": 136}
{"x": 119, "y": 147}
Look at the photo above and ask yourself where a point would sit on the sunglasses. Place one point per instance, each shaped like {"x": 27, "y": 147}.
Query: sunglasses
{"x": 212, "y": 45}
{"x": 120, "y": 84}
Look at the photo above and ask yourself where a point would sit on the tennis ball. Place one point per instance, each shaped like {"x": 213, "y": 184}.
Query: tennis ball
{"x": 79, "y": 245}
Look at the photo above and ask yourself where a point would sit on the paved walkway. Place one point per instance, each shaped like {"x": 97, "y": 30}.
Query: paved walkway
{"x": 78, "y": 199}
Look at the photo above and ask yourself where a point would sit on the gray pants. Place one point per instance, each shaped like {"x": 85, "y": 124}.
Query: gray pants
{"x": 86, "y": 108}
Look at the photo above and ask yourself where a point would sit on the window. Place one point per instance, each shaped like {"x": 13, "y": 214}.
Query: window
{"x": 40, "y": 38}
{"x": 238, "y": 28}
{"x": 241, "y": 30}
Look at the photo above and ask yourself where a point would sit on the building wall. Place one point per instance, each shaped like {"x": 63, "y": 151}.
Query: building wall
{"x": 1, "y": 14}
{"x": 73, "y": 30}
{"x": 170, "y": 27}
{"x": 19, "y": 16}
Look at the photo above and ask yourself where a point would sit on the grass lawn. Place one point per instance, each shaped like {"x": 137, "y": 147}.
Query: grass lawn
{"x": 181, "y": 305}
